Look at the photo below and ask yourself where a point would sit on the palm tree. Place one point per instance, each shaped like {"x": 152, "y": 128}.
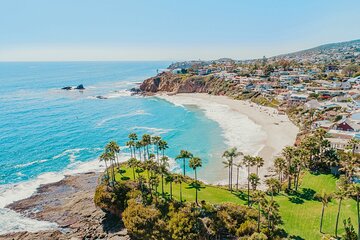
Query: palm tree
{"x": 348, "y": 165}
{"x": 355, "y": 191}
{"x": 164, "y": 164}
{"x": 105, "y": 157}
{"x": 156, "y": 140}
{"x": 248, "y": 161}
{"x": 341, "y": 194}
{"x": 178, "y": 178}
{"x": 273, "y": 185}
{"x": 271, "y": 209}
{"x": 280, "y": 165}
{"x": 230, "y": 154}
{"x": 259, "y": 162}
{"x": 184, "y": 155}
{"x": 194, "y": 163}
{"x": 146, "y": 139}
{"x": 138, "y": 146}
{"x": 288, "y": 153}
{"x": 114, "y": 148}
{"x": 170, "y": 179}
{"x": 131, "y": 144}
{"x": 227, "y": 164}
{"x": 155, "y": 182}
{"x": 254, "y": 181}
{"x": 325, "y": 199}
{"x": 353, "y": 144}
{"x": 238, "y": 165}
{"x": 133, "y": 163}
{"x": 258, "y": 198}
{"x": 163, "y": 146}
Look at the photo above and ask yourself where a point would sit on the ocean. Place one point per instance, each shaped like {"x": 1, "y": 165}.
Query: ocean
{"x": 47, "y": 132}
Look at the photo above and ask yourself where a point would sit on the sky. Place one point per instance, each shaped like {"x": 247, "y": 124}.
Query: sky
{"x": 76, "y": 30}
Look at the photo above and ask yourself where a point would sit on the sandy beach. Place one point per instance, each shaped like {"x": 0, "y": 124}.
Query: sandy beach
{"x": 253, "y": 129}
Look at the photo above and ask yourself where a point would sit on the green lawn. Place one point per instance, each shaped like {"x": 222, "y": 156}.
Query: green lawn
{"x": 301, "y": 217}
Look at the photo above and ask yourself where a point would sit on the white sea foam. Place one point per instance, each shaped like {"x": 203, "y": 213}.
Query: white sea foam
{"x": 30, "y": 163}
{"x": 14, "y": 222}
{"x": 151, "y": 130}
{"x": 135, "y": 113}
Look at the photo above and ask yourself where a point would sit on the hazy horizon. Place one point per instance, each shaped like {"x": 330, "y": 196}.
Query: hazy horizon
{"x": 161, "y": 30}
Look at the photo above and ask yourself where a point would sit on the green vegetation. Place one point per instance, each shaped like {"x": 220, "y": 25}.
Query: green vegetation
{"x": 305, "y": 201}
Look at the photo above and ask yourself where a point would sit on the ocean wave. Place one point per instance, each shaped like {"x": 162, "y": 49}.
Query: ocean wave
{"x": 151, "y": 130}
{"x": 135, "y": 113}
{"x": 12, "y": 221}
{"x": 30, "y": 163}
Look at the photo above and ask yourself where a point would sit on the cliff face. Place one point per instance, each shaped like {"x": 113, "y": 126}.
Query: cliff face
{"x": 173, "y": 83}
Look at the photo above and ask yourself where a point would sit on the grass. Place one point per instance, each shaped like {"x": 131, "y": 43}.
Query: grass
{"x": 300, "y": 213}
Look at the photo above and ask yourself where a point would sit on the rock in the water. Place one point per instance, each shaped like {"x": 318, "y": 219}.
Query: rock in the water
{"x": 135, "y": 90}
{"x": 67, "y": 88}
{"x": 101, "y": 97}
{"x": 80, "y": 87}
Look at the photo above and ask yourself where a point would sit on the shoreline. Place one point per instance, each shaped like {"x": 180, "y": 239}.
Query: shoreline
{"x": 265, "y": 132}
{"x": 69, "y": 204}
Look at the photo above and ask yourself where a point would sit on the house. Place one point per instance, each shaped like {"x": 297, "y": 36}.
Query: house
{"x": 312, "y": 104}
{"x": 348, "y": 125}
{"x": 325, "y": 124}
{"x": 298, "y": 97}
{"x": 341, "y": 144}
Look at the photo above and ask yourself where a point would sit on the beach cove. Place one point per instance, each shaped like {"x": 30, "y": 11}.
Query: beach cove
{"x": 253, "y": 129}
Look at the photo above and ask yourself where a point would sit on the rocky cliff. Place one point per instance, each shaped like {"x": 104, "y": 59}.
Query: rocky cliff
{"x": 178, "y": 83}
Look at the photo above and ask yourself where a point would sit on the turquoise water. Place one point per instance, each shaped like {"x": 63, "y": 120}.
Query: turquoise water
{"x": 48, "y": 130}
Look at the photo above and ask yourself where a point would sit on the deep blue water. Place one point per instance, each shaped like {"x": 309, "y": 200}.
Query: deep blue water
{"x": 45, "y": 129}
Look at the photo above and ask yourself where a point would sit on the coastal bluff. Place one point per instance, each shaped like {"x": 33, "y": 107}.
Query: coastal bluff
{"x": 184, "y": 83}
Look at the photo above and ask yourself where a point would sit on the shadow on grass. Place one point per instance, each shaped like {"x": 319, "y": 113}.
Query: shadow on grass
{"x": 195, "y": 185}
{"x": 241, "y": 195}
{"x": 296, "y": 237}
{"x": 296, "y": 200}
{"x": 299, "y": 197}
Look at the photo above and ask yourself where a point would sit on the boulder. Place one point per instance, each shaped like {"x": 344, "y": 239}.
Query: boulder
{"x": 67, "y": 88}
{"x": 80, "y": 87}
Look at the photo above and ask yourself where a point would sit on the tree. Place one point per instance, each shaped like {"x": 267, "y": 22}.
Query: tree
{"x": 156, "y": 140}
{"x": 289, "y": 153}
{"x": 350, "y": 233}
{"x": 131, "y": 145}
{"x": 184, "y": 155}
{"x": 164, "y": 164}
{"x": 324, "y": 198}
{"x": 254, "y": 181}
{"x": 138, "y": 146}
{"x": 271, "y": 210}
{"x": 348, "y": 165}
{"x": 194, "y": 163}
{"x": 355, "y": 192}
{"x": 238, "y": 165}
{"x": 114, "y": 148}
{"x": 179, "y": 179}
{"x": 230, "y": 154}
{"x": 170, "y": 179}
{"x": 105, "y": 157}
{"x": 146, "y": 139}
{"x": 280, "y": 166}
{"x": 133, "y": 163}
{"x": 163, "y": 146}
{"x": 258, "y": 198}
{"x": 259, "y": 162}
{"x": 273, "y": 185}
{"x": 340, "y": 195}
{"x": 353, "y": 144}
{"x": 248, "y": 161}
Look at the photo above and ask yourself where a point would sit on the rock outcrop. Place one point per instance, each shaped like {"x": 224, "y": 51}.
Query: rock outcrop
{"x": 178, "y": 83}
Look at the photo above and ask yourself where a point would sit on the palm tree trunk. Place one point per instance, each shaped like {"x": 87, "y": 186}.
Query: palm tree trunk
{"x": 248, "y": 195}
{"x": 170, "y": 190}
{"x": 258, "y": 227}
{"x": 322, "y": 217}
{"x": 162, "y": 184}
{"x": 297, "y": 180}
{"x": 229, "y": 178}
{"x": 184, "y": 165}
{"x": 237, "y": 179}
{"x": 180, "y": 193}
{"x": 337, "y": 218}
{"x": 196, "y": 192}
{"x": 358, "y": 213}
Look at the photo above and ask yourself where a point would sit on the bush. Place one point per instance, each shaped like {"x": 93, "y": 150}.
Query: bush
{"x": 142, "y": 222}
{"x": 247, "y": 228}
